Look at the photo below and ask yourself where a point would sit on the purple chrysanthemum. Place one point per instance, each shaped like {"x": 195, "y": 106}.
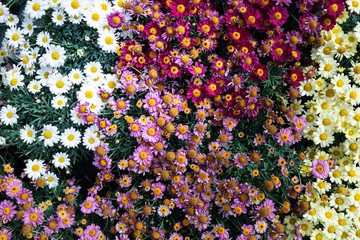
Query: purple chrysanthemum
{"x": 320, "y": 169}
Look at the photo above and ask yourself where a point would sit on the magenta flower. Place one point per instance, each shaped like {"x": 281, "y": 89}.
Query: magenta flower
{"x": 115, "y": 20}
{"x": 299, "y": 124}
{"x": 7, "y": 210}
{"x": 152, "y": 102}
{"x": 143, "y": 156}
{"x": 197, "y": 70}
{"x": 212, "y": 88}
{"x": 335, "y": 7}
{"x": 14, "y": 188}
{"x": 179, "y": 8}
{"x": 157, "y": 190}
{"x": 33, "y": 216}
{"x": 151, "y": 133}
{"x": 278, "y": 16}
{"x": 327, "y": 22}
{"x": 5, "y": 234}
{"x": 285, "y": 136}
{"x": 89, "y": 205}
{"x": 182, "y": 132}
{"x": 320, "y": 169}
{"x": 196, "y": 93}
{"x": 253, "y": 18}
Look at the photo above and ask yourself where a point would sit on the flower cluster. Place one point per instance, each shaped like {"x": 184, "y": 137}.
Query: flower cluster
{"x": 34, "y": 212}
{"x": 333, "y": 117}
{"x": 211, "y": 129}
{"x": 192, "y": 120}
{"x": 57, "y": 60}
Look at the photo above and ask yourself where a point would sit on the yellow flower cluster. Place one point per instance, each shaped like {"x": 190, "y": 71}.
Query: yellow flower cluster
{"x": 333, "y": 116}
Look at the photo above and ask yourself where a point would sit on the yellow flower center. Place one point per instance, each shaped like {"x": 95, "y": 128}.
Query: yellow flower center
{"x": 328, "y": 67}
{"x": 151, "y": 131}
{"x": 55, "y": 55}
{"x": 109, "y": 40}
{"x": 15, "y": 37}
{"x": 277, "y": 16}
{"x": 95, "y": 16}
{"x": 180, "y": 8}
{"x": 47, "y": 134}
{"x": 88, "y": 94}
{"x": 143, "y": 155}
{"x": 75, "y": 4}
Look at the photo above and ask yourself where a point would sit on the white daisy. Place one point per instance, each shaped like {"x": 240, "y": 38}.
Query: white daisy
{"x": 341, "y": 82}
{"x": 50, "y": 135}
{"x": 58, "y": 102}
{"x": 80, "y": 52}
{"x": 30, "y": 71}
{"x": 76, "y": 19}
{"x": 104, "y": 6}
{"x": 2, "y": 141}
{"x": 93, "y": 69}
{"x": 90, "y": 140}
{"x": 12, "y": 20}
{"x": 54, "y": 57}
{"x": 95, "y": 17}
{"x": 352, "y": 174}
{"x": 34, "y": 169}
{"x": 15, "y": 37}
{"x": 26, "y": 59}
{"x": 338, "y": 201}
{"x": 4, "y": 13}
{"x": 76, "y": 117}
{"x": 43, "y": 39}
{"x": 76, "y": 76}
{"x": 74, "y": 7}
{"x": 28, "y": 26}
{"x": 61, "y": 160}
{"x": 51, "y": 179}
{"x": 354, "y": 117}
{"x": 110, "y": 83}
{"x": 70, "y": 138}
{"x": 88, "y": 93}
{"x": 8, "y": 115}
{"x": 58, "y": 17}
{"x": 14, "y": 80}
{"x": 343, "y": 17}
{"x": 328, "y": 67}
{"x": 108, "y": 41}
{"x": 352, "y": 95}
{"x": 43, "y": 74}
{"x": 36, "y": 8}
{"x": 58, "y": 84}
{"x": 353, "y": 6}
{"x": 28, "y": 134}
{"x": 34, "y": 86}
{"x": 323, "y": 137}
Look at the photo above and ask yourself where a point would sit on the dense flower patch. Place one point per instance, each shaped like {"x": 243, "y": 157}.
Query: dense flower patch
{"x": 332, "y": 114}
{"x": 189, "y": 110}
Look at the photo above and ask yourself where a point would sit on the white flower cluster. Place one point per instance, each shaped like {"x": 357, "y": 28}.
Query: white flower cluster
{"x": 333, "y": 114}
{"x": 40, "y": 59}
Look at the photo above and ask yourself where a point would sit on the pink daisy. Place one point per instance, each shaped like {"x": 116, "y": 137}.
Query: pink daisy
{"x": 278, "y": 16}
{"x": 143, "y": 156}
{"x": 285, "y": 136}
{"x": 320, "y": 169}
{"x": 7, "y": 210}
{"x": 151, "y": 133}
{"x": 152, "y": 102}
{"x": 33, "y": 216}
{"x": 89, "y": 205}
{"x": 179, "y": 8}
